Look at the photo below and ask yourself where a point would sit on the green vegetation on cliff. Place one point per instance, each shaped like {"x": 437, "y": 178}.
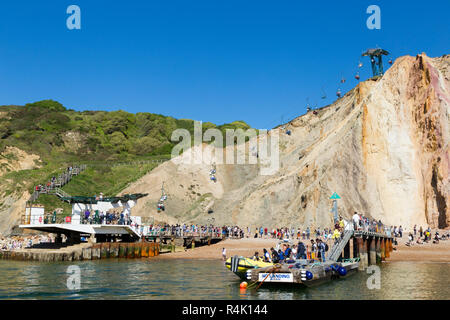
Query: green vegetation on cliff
{"x": 63, "y": 137}
{"x": 48, "y": 129}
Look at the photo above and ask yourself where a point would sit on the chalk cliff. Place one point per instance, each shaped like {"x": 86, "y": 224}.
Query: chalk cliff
{"x": 383, "y": 147}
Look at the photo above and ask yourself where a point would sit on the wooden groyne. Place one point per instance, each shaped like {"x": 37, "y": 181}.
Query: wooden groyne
{"x": 106, "y": 250}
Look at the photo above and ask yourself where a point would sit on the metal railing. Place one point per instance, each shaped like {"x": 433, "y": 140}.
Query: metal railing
{"x": 336, "y": 250}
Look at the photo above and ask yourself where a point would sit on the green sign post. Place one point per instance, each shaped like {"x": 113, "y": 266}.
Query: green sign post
{"x": 334, "y": 209}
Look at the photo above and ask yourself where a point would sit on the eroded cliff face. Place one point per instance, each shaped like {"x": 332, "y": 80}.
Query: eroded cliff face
{"x": 383, "y": 147}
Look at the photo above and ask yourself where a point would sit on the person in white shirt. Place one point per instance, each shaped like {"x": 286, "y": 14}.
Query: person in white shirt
{"x": 355, "y": 219}
{"x": 224, "y": 254}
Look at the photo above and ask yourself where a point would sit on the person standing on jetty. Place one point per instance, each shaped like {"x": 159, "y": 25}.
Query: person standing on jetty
{"x": 224, "y": 254}
{"x": 355, "y": 219}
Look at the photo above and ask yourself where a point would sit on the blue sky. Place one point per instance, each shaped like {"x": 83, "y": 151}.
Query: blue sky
{"x": 219, "y": 61}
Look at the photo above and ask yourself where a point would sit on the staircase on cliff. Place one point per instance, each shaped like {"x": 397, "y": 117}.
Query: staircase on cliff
{"x": 54, "y": 187}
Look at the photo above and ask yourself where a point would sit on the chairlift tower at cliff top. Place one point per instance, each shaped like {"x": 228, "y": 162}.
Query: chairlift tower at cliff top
{"x": 376, "y": 60}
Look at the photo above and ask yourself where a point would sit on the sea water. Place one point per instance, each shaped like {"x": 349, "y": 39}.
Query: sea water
{"x": 206, "y": 279}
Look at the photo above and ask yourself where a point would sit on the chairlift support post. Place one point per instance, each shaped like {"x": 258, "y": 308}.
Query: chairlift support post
{"x": 376, "y": 59}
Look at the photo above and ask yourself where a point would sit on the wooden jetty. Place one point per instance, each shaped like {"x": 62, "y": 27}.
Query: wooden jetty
{"x": 370, "y": 247}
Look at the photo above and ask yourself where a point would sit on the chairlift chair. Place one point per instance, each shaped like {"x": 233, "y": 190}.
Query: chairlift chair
{"x": 324, "y": 95}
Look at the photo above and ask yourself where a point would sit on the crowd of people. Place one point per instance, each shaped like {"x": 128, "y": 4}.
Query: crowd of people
{"x": 23, "y": 242}
{"x": 314, "y": 249}
{"x": 100, "y": 217}
{"x": 180, "y": 230}
{"x": 312, "y": 243}
{"x": 421, "y": 236}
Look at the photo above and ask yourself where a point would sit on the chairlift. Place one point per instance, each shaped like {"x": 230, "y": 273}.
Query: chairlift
{"x": 338, "y": 93}
{"x": 357, "y": 77}
{"x": 343, "y": 80}
{"x": 324, "y": 95}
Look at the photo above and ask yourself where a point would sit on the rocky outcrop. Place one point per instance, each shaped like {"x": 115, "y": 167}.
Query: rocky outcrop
{"x": 15, "y": 159}
{"x": 383, "y": 147}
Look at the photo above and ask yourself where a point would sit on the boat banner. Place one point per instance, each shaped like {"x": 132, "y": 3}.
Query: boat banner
{"x": 276, "y": 277}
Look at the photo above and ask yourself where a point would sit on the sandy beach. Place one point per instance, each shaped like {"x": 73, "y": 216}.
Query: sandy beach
{"x": 427, "y": 252}
{"x": 247, "y": 246}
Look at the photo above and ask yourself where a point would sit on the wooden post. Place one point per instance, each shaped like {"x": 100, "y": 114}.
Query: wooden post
{"x": 360, "y": 253}
{"x": 378, "y": 249}
{"x": 383, "y": 248}
{"x": 373, "y": 253}
{"x": 137, "y": 250}
{"x": 365, "y": 250}
{"x": 114, "y": 250}
{"x": 347, "y": 250}
{"x": 87, "y": 253}
{"x": 144, "y": 253}
{"x": 104, "y": 250}
{"x": 351, "y": 248}
{"x": 355, "y": 248}
{"x": 387, "y": 250}
{"x": 123, "y": 250}
{"x": 390, "y": 245}
{"x": 130, "y": 250}
{"x": 151, "y": 251}
{"x": 96, "y": 251}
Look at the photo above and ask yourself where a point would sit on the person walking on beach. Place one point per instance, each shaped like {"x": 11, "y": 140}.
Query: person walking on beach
{"x": 421, "y": 231}
{"x": 224, "y": 254}
{"x": 415, "y": 230}
{"x": 322, "y": 250}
